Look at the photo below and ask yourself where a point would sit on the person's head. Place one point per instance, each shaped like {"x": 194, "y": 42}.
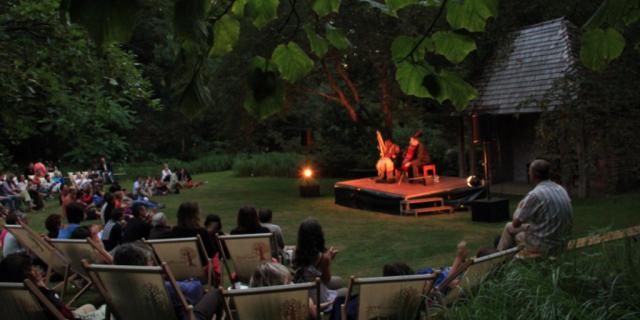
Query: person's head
{"x": 539, "y": 170}
{"x": 117, "y": 214}
{"x": 396, "y": 269}
{"x": 165, "y": 166}
{"x": 189, "y": 215}
{"x": 17, "y": 267}
{"x": 30, "y": 165}
{"x": 22, "y": 178}
{"x": 248, "y": 218}
{"x": 138, "y": 210}
{"x": 139, "y": 178}
{"x": 415, "y": 138}
{"x": 485, "y": 251}
{"x": 12, "y": 218}
{"x": 270, "y": 274}
{"x": 109, "y": 199}
{"x": 310, "y": 242}
{"x": 213, "y": 224}
{"x": 159, "y": 220}
{"x": 132, "y": 254}
{"x": 103, "y": 160}
{"x": 53, "y": 222}
{"x": 266, "y": 215}
{"x": 74, "y": 212}
{"x": 81, "y": 232}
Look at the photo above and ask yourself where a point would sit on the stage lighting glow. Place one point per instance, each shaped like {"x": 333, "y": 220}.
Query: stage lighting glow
{"x": 307, "y": 173}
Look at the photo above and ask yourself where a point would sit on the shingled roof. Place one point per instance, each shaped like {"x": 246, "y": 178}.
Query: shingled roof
{"x": 526, "y": 69}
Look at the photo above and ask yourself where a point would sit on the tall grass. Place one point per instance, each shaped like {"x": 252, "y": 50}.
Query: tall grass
{"x": 207, "y": 163}
{"x": 596, "y": 283}
{"x": 268, "y": 164}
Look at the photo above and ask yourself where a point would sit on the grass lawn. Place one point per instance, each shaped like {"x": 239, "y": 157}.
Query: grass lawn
{"x": 368, "y": 240}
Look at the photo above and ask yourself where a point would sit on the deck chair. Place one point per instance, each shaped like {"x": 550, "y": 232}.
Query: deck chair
{"x": 36, "y": 245}
{"x": 603, "y": 237}
{"x": 473, "y": 272}
{"x": 286, "y": 302}
{"x": 247, "y": 252}
{"x": 24, "y": 301}
{"x": 137, "y": 292}
{"x": 75, "y": 250}
{"x": 182, "y": 255}
{"x": 398, "y": 297}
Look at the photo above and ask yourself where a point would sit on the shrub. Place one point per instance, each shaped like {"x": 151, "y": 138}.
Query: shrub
{"x": 207, "y": 163}
{"x": 269, "y": 164}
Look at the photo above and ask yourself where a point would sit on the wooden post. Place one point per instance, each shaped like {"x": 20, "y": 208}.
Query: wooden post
{"x": 472, "y": 153}
{"x": 462, "y": 165}
{"x": 583, "y": 168}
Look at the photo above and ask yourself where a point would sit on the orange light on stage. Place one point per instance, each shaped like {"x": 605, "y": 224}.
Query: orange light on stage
{"x": 307, "y": 173}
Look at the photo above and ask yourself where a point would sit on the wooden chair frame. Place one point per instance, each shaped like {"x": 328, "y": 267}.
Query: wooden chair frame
{"x": 222, "y": 244}
{"x": 162, "y": 271}
{"x": 593, "y": 240}
{"x": 207, "y": 273}
{"x": 39, "y": 299}
{"x": 363, "y": 282}
{"x": 228, "y": 295}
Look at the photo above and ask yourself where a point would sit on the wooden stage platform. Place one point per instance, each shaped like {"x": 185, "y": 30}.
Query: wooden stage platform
{"x": 366, "y": 194}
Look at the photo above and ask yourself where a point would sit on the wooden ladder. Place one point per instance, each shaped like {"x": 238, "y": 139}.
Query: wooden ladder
{"x": 438, "y": 206}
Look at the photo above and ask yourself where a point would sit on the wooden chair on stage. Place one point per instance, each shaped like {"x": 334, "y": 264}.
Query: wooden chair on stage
{"x": 24, "y": 301}
{"x": 472, "y": 273}
{"x": 36, "y": 245}
{"x": 428, "y": 173}
{"x": 246, "y": 253}
{"x": 137, "y": 292}
{"x": 399, "y": 297}
{"x": 290, "y": 302}
{"x": 187, "y": 258}
{"x": 76, "y": 250}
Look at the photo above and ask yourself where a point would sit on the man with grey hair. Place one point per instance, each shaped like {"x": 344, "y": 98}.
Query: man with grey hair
{"x": 161, "y": 228}
{"x": 543, "y": 220}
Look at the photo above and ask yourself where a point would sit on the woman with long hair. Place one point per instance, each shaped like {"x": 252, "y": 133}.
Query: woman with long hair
{"x": 189, "y": 225}
{"x": 248, "y": 222}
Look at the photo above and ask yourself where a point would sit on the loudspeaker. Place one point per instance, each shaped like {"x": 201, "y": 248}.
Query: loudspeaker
{"x": 490, "y": 210}
{"x": 481, "y": 127}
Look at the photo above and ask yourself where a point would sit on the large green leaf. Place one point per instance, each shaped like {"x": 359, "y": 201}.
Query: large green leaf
{"x": 453, "y": 46}
{"x": 262, "y": 11}
{"x": 599, "y": 47}
{"x": 319, "y": 45}
{"x": 238, "y": 7}
{"x": 402, "y": 46}
{"x": 324, "y": 7}
{"x": 410, "y": 78}
{"x": 225, "y": 32}
{"x": 265, "y": 95}
{"x": 456, "y": 90}
{"x": 106, "y": 21}
{"x": 471, "y": 14}
{"x": 292, "y": 63}
{"x": 615, "y": 14}
{"x": 337, "y": 38}
{"x": 395, "y": 5}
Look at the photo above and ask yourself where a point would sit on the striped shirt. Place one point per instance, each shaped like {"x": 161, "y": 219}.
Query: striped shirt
{"x": 548, "y": 212}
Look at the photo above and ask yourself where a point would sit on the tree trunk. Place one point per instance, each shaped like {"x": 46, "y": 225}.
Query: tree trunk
{"x": 462, "y": 167}
{"x": 473, "y": 170}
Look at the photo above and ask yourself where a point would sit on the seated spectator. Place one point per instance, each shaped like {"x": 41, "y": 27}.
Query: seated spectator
{"x": 105, "y": 170}
{"x": 8, "y": 197}
{"x": 189, "y": 225}
{"x": 184, "y": 178}
{"x": 166, "y": 173}
{"x": 161, "y": 228}
{"x": 112, "y": 233}
{"x": 138, "y": 226}
{"x": 205, "y": 306}
{"x": 213, "y": 224}
{"x": 543, "y": 219}
{"x": 19, "y": 266}
{"x": 75, "y": 215}
{"x": 248, "y": 222}
{"x": 9, "y": 243}
{"x": 108, "y": 205}
{"x": 266, "y": 218}
{"x": 23, "y": 189}
{"x": 53, "y": 224}
{"x": 313, "y": 260}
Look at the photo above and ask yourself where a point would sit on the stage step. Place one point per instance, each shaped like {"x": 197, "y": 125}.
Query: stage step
{"x": 437, "y": 206}
{"x": 424, "y": 200}
{"x": 448, "y": 209}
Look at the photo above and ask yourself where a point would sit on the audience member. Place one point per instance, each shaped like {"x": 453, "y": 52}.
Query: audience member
{"x": 105, "y": 170}
{"x": 161, "y": 228}
{"x": 8, "y": 197}
{"x": 166, "y": 173}
{"x": 266, "y": 218}
{"x": 10, "y": 244}
{"x": 53, "y": 224}
{"x": 248, "y": 222}
{"x": 138, "y": 226}
{"x": 75, "y": 215}
{"x": 543, "y": 219}
{"x": 112, "y": 233}
{"x": 189, "y": 225}
{"x": 213, "y": 224}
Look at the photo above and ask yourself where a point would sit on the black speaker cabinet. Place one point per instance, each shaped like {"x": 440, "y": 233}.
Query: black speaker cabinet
{"x": 490, "y": 210}
{"x": 481, "y": 128}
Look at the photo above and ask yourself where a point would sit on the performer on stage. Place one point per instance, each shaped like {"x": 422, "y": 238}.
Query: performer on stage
{"x": 416, "y": 155}
{"x": 385, "y": 166}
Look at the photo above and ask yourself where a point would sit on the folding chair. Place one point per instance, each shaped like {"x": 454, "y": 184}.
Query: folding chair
{"x": 286, "y": 302}
{"x": 24, "y": 301}
{"x": 603, "y": 237}
{"x": 75, "y": 250}
{"x": 473, "y": 272}
{"x": 137, "y": 292}
{"x": 398, "y": 297}
{"x": 36, "y": 245}
{"x": 247, "y": 252}
{"x": 187, "y": 258}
